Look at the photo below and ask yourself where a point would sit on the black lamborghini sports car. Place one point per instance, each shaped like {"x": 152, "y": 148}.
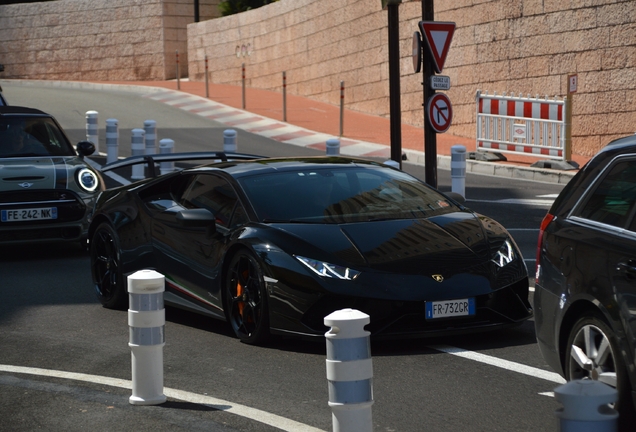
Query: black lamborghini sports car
{"x": 275, "y": 245}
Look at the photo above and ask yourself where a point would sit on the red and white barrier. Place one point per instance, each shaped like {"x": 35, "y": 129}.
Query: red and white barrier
{"x": 516, "y": 124}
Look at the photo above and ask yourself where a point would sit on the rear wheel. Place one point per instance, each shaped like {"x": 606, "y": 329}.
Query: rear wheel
{"x": 592, "y": 353}
{"x": 106, "y": 268}
{"x": 246, "y": 299}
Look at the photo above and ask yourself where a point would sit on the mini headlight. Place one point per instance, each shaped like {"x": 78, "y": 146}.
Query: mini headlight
{"x": 505, "y": 255}
{"x": 87, "y": 180}
{"x": 325, "y": 269}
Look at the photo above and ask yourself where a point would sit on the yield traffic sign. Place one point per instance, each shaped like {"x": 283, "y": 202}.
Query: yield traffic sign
{"x": 439, "y": 112}
{"x": 438, "y": 36}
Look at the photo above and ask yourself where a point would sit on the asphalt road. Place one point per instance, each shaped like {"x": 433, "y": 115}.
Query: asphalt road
{"x": 50, "y": 320}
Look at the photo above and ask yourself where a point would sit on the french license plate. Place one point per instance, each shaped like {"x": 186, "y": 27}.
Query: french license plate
{"x": 450, "y": 308}
{"x": 28, "y": 214}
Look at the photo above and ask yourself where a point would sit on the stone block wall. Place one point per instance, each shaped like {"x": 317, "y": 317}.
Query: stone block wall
{"x": 97, "y": 40}
{"x": 524, "y": 47}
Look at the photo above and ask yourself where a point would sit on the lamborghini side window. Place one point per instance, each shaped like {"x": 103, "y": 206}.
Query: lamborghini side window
{"x": 212, "y": 193}
{"x": 613, "y": 200}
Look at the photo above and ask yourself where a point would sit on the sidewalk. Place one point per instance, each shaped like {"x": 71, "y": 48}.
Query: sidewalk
{"x": 325, "y": 118}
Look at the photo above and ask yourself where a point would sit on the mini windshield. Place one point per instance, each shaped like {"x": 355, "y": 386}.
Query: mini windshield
{"x": 342, "y": 195}
{"x": 22, "y": 136}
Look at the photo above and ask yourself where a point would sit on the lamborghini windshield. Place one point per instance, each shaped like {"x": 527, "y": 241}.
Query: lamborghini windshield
{"x": 342, "y": 195}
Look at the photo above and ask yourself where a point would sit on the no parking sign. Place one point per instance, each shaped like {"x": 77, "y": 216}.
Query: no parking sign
{"x": 439, "y": 112}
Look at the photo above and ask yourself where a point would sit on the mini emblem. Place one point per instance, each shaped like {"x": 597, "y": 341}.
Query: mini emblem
{"x": 25, "y": 185}
{"x": 438, "y": 277}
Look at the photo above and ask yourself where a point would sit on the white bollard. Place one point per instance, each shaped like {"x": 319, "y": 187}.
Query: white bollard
{"x": 229, "y": 141}
{"x": 92, "y": 131}
{"x": 585, "y": 407}
{"x": 458, "y": 169}
{"x": 150, "y": 130}
{"x": 392, "y": 163}
{"x": 166, "y": 146}
{"x": 137, "y": 148}
{"x": 333, "y": 147}
{"x": 147, "y": 322}
{"x": 112, "y": 140}
{"x": 349, "y": 371}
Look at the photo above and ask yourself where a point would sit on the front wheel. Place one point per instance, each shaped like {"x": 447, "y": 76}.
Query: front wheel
{"x": 246, "y": 299}
{"x": 106, "y": 268}
{"x": 592, "y": 353}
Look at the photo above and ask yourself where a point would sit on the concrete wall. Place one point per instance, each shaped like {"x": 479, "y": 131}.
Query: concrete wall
{"x": 97, "y": 40}
{"x": 514, "y": 46}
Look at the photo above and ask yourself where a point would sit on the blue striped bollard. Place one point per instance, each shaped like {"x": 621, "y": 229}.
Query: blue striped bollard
{"x": 333, "y": 147}
{"x": 150, "y": 129}
{"x": 585, "y": 407}
{"x": 229, "y": 141}
{"x": 92, "y": 133}
{"x": 166, "y": 146}
{"x": 137, "y": 148}
{"x": 112, "y": 140}
{"x": 147, "y": 322}
{"x": 349, "y": 371}
{"x": 458, "y": 169}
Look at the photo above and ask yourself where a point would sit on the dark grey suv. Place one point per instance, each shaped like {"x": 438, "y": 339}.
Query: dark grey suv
{"x": 585, "y": 293}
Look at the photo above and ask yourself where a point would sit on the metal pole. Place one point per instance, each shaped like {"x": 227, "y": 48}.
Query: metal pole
{"x": 178, "y": 81}
{"x": 341, "y": 108}
{"x": 196, "y": 11}
{"x": 284, "y": 96}
{"x": 394, "y": 82}
{"x": 430, "y": 138}
{"x": 243, "y": 79}
{"x": 207, "y": 91}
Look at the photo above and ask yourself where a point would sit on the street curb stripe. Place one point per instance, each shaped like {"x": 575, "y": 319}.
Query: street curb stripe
{"x": 218, "y": 404}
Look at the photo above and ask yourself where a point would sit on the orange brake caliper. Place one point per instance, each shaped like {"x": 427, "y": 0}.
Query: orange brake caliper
{"x": 239, "y": 295}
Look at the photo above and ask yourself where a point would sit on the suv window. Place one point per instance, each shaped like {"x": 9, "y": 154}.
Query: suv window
{"x": 612, "y": 200}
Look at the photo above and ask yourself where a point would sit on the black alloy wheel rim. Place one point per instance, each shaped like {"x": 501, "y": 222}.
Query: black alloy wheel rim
{"x": 105, "y": 264}
{"x": 245, "y": 297}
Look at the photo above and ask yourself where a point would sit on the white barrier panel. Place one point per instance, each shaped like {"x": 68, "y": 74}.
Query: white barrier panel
{"x": 92, "y": 132}
{"x": 166, "y": 145}
{"x": 150, "y": 130}
{"x": 333, "y": 147}
{"x": 137, "y": 149}
{"x": 147, "y": 322}
{"x": 349, "y": 371}
{"x": 229, "y": 141}
{"x": 458, "y": 169}
{"x": 112, "y": 140}
{"x": 516, "y": 124}
{"x": 585, "y": 407}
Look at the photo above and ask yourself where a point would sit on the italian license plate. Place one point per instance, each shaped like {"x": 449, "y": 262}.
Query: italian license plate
{"x": 28, "y": 214}
{"x": 450, "y": 308}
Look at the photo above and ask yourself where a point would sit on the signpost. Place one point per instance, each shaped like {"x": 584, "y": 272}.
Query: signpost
{"x": 438, "y": 109}
{"x": 439, "y": 112}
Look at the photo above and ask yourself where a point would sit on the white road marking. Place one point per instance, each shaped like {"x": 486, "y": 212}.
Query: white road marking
{"x": 500, "y": 363}
{"x": 219, "y": 404}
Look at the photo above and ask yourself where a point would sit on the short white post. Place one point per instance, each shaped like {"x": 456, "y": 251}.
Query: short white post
{"x": 458, "y": 169}
{"x": 112, "y": 140}
{"x": 150, "y": 130}
{"x": 147, "y": 322}
{"x": 349, "y": 371}
{"x": 585, "y": 407}
{"x": 166, "y": 146}
{"x": 137, "y": 149}
{"x": 229, "y": 141}
{"x": 333, "y": 147}
{"x": 92, "y": 132}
